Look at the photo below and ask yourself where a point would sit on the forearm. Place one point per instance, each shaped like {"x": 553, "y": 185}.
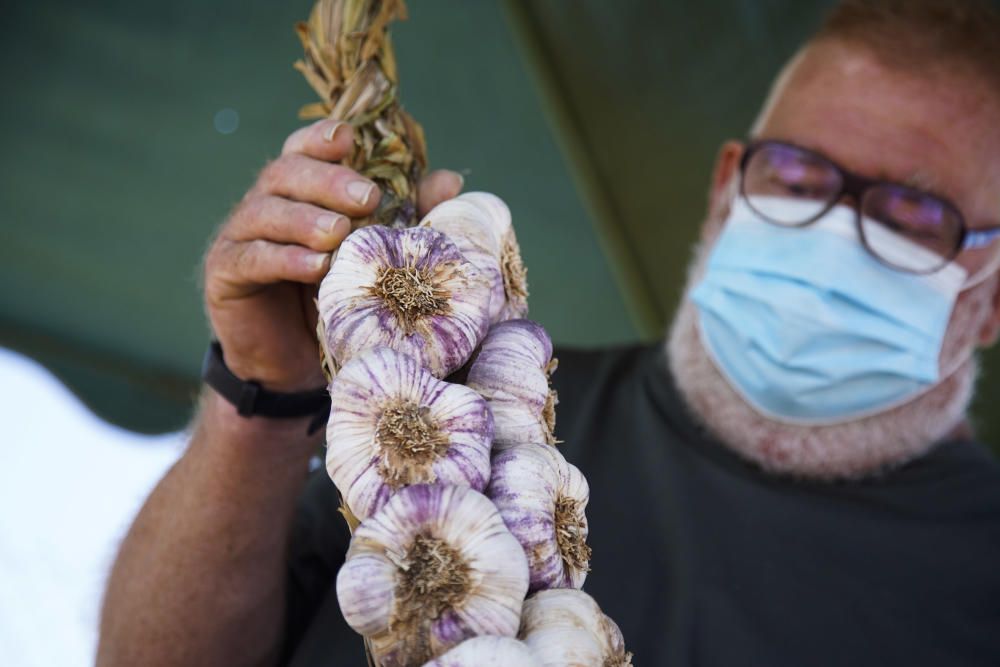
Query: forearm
{"x": 199, "y": 579}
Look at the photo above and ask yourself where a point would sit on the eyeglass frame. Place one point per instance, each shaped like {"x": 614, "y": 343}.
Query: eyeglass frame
{"x": 856, "y": 186}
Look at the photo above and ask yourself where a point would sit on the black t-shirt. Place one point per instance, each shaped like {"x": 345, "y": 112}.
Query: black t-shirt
{"x": 703, "y": 559}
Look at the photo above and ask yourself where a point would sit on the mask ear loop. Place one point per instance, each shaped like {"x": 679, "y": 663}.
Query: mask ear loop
{"x": 982, "y": 274}
{"x": 991, "y": 267}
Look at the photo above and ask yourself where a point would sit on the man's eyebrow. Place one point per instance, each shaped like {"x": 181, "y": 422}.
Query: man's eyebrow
{"x": 916, "y": 179}
{"x": 922, "y": 181}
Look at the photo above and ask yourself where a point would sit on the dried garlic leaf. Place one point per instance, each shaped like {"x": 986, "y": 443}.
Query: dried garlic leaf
{"x": 349, "y": 62}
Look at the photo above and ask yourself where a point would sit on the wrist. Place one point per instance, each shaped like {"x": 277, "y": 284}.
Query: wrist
{"x": 223, "y": 426}
{"x": 282, "y": 375}
{"x": 252, "y": 399}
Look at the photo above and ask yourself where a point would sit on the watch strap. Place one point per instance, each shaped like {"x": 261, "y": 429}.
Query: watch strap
{"x": 250, "y": 398}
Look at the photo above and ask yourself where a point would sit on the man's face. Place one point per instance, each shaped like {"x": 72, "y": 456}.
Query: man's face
{"x": 937, "y": 130}
{"x": 933, "y": 130}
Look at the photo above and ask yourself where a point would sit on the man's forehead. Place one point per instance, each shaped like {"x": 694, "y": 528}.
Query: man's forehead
{"x": 928, "y": 128}
{"x": 843, "y": 76}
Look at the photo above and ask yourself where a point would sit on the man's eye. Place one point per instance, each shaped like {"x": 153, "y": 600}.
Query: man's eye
{"x": 804, "y": 190}
{"x": 915, "y": 233}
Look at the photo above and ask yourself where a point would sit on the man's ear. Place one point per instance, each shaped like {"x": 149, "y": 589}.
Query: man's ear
{"x": 725, "y": 184}
{"x": 990, "y": 330}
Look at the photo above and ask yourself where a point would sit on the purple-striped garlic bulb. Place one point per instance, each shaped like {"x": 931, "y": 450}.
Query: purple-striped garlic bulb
{"x": 512, "y": 373}
{"x": 435, "y": 566}
{"x": 408, "y": 289}
{"x": 567, "y": 627}
{"x": 487, "y": 651}
{"x": 393, "y": 424}
{"x": 480, "y": 225}
{"x": 542, "y": 499}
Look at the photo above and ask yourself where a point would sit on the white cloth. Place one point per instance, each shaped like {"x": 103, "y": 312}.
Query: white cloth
{"x": 70, "y": 485}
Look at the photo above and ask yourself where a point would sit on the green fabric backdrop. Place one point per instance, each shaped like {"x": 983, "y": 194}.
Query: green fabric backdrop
{"x": 597, "y": 121}
{"x": 115, "y": 175}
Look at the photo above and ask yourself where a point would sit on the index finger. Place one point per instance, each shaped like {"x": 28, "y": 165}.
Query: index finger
{"x": 329, "y": 139}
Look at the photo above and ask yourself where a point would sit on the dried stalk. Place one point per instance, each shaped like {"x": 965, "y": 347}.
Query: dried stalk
{"x": 350, "y": 63}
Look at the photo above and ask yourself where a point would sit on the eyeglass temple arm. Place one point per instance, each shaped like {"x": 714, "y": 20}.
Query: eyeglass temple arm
{"x": 979, "y": 238}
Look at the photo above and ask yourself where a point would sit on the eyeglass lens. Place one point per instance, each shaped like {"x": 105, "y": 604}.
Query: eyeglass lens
{"x": 902, "y": 227}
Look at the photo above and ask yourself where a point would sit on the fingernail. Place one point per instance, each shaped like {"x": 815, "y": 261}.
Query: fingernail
{"x": 318, "y": 260}
{"x": 331, "y": 131}
{"x": 461, "y": 180}
{"x": 360, "y": 191}
{"x": 332, "y": 224}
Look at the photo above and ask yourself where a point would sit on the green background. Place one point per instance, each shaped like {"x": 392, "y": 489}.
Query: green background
{"x": 596, "y": 121}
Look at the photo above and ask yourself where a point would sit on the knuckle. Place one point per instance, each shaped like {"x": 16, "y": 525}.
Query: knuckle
{"x": 214, "y": 270}
{"x": 271, "y": 213}
{"x": 253, "y": 209}
{"x": 329, "y": 175}
{"x": 293, "y": 143}
{"x": 211, "y": 260}
{"x": 296, "y": 141}
{"x": 282, "y": 219}
{"x": 338, "y": 181}
{"x": 236, "y": 213}
{"x": 243, "y": 218}
{"x": 255, "y": 250}
{"x": 244, "y": 261}
{"x": 302, "y": 219}
{"x": 272, "y": 174}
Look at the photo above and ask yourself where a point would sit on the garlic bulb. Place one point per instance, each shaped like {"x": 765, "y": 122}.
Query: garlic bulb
{"x": 487, "y": 651}
{"x": 408, "y": 289}
{"x": 392, "y": 423}
{"x": 512, "y": 373}
{"x": 480, "y": 225}
{"x": 566, "y": 627}
{"x": 434, "y": 566}
{"x": 542, "y": 499}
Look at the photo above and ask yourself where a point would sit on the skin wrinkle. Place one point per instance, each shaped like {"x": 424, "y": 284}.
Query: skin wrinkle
{"x": 945, "y": 140}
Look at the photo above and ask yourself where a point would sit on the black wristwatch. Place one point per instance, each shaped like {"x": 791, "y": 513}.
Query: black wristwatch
{"x": 251, "y": 399}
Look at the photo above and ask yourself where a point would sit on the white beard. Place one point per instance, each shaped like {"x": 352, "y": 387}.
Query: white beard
{"x": 848, "y": 450}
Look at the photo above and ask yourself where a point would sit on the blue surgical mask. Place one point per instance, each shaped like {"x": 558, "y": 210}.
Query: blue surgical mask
{"x": 811, "y": 329}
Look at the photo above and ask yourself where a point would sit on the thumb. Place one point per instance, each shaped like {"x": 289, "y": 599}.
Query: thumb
{"x": 437, "y": 187}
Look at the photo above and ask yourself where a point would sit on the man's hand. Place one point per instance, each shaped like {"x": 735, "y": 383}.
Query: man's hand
{"x": 200, "y": 578}
{"x": 262, "y": 271}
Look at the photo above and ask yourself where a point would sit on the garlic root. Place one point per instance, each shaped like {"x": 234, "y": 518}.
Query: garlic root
{"x": 433, "y": 567}
{"x": 392, "y": 423}
{"x": 542, "y": 499}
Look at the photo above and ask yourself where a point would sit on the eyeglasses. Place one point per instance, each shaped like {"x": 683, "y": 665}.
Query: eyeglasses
{"x": 774, "y": 172}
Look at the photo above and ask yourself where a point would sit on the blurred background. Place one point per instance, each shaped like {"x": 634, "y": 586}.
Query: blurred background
{"x": 131, "y": 128}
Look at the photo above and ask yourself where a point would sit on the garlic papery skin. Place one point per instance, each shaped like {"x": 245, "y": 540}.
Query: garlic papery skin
{"x": 489, "y": 651}
{"x": 567, "y": 627}
{"x": 480, "y": 225}
{"x": 511, "y": 371}
{"x": 408, "y": 289}
{"x": 435, "y": 566}
{"x": 392, "y": 424}
{"x": 542, "y": 499}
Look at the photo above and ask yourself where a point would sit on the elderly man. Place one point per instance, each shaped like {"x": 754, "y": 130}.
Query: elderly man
{"x": 789, "y": 480}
